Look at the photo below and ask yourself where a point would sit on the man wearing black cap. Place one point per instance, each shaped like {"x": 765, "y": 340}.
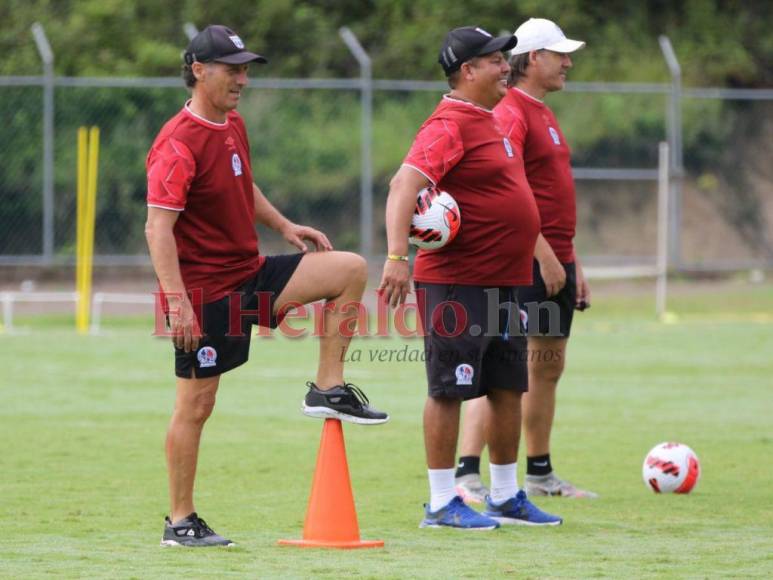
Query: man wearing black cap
{"x": 460, "y": 149}
{"x": 214, "y": 283}
{"x": 539, "y": 65}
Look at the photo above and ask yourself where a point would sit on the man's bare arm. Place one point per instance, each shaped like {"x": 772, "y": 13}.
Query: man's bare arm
{"x": 266, "y": 214}
{"x": 395, "y": 280}
{"x": 159, "y": 232}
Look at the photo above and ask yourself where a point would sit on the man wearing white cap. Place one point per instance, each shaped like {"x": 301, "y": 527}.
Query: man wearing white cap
{"x": 539, "y": 64}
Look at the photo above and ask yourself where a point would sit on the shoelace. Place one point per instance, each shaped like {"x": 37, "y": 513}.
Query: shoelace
{"x": 359, "y": 397}
{"x": 201, "y": 527}
{"x": 357, "y": 393}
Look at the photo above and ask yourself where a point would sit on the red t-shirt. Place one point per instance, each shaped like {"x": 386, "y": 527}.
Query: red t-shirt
{"x": 461, "y": 149}
{"x": 202, "y": 169}
{"x": 533, "y": 130}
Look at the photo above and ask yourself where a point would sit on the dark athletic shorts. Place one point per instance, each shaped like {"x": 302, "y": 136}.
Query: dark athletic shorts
{"x": 471, "y": 346}
{"x": 541, "y": 311}
{"x": 226, "y": 341}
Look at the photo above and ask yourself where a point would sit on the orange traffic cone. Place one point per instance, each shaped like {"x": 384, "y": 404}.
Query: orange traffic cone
{"x": 331, "y": 519}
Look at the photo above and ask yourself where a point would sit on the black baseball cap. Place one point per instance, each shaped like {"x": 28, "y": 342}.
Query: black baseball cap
{"x": 217, "y": 43}
{"x": 462, "y": 44}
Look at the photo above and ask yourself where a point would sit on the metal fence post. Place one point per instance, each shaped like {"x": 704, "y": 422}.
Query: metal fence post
{"x": 47, "y": 56}
{"x": 366, "y": 177}
{"x": 662, "y": 251}
{"x": 674, "y": 132}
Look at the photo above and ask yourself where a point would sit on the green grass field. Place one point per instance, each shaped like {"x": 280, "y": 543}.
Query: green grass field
{"x": 83, "y": 484}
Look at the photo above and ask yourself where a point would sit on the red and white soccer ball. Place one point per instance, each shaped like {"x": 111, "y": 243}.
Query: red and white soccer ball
{"x": 436, "y": 219}
{"x": 671, "y": 468}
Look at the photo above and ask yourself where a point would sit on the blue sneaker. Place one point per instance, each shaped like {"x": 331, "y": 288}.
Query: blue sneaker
{"x": 519, "y": 510}
{"x": 457, "y": 514}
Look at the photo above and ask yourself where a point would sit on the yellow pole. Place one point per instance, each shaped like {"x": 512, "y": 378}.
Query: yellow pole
{"x": 87, "y": 231}
{"x": 83, "y": 137}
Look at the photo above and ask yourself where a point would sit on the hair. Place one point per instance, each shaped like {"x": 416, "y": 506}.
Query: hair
{"x": 453, "y": 78}
{"x": 188, "y": 76}
{"x": 518, "y": 65}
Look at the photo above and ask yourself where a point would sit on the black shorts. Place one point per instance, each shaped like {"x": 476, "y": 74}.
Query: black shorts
{"x": 472, "y": 346}
{"x": 549, "y": 316}
{"x": 226, "y": 329}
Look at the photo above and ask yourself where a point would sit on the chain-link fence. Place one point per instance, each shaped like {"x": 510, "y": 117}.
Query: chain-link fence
{"x": 306, "y": 142}
{"x": 21, "y": 149}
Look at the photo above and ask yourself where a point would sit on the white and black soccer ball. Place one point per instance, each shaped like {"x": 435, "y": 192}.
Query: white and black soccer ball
{"x": 671, "y": 468}
{"x": 436, "y": 219}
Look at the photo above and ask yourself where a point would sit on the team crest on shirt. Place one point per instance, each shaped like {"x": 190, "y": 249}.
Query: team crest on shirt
{"x": 508, "y": 147}
{"x": 207, "y": 357}
{"x": 554, "y": 135}
{"x": 464, "y": 374}
{"x": 236, "y": 164}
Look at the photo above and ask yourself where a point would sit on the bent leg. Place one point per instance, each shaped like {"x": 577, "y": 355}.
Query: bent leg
{"x": 340, "y": 279}
{"x": 193, "y": 406}
{"x": 546, "y": 364}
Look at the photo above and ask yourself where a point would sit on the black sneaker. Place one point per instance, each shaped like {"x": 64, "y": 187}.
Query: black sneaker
{"x": 193, "y": 532}
{"x": 345, "y": 402}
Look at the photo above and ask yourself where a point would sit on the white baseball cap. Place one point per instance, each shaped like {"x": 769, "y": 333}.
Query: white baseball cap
{"x": 539, "y": 33}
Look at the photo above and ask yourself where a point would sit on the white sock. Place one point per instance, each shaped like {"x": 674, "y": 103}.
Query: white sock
{"x": 504, "y": 482}
{"x": 441, "y": 488}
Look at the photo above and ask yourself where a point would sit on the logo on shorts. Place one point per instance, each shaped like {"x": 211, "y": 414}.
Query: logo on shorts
{"x": 464, "y": 374}
{"x": 236, "y": 163}
{"x": 207, "y": 357}
{"x": 237, "y": 42}
{"x": 524, "y": 319}
{"x": 508, "y": 147}
{"x": 554, "y": 135}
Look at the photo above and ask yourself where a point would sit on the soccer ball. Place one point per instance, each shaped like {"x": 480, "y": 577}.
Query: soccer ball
{"x": 671, "y": 468}
{"x": 436, "y": 219}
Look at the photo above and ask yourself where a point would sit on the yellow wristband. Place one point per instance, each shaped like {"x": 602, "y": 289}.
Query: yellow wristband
{"x": 396, "y": 258}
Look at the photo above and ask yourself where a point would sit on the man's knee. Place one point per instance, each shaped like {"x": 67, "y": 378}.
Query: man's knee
{"x": 546, "y": 359}
{"x": 356, "y": 268}
{"x": 203, "y": 407}
{"x": 544, "y": 375}
{"x": 198, "y": 407}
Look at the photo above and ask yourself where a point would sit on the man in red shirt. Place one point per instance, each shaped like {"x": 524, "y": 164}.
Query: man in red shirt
{"x": 538, "y": 66}
{"x": 466, "y": 291}
{"x": 215, "y": 285}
